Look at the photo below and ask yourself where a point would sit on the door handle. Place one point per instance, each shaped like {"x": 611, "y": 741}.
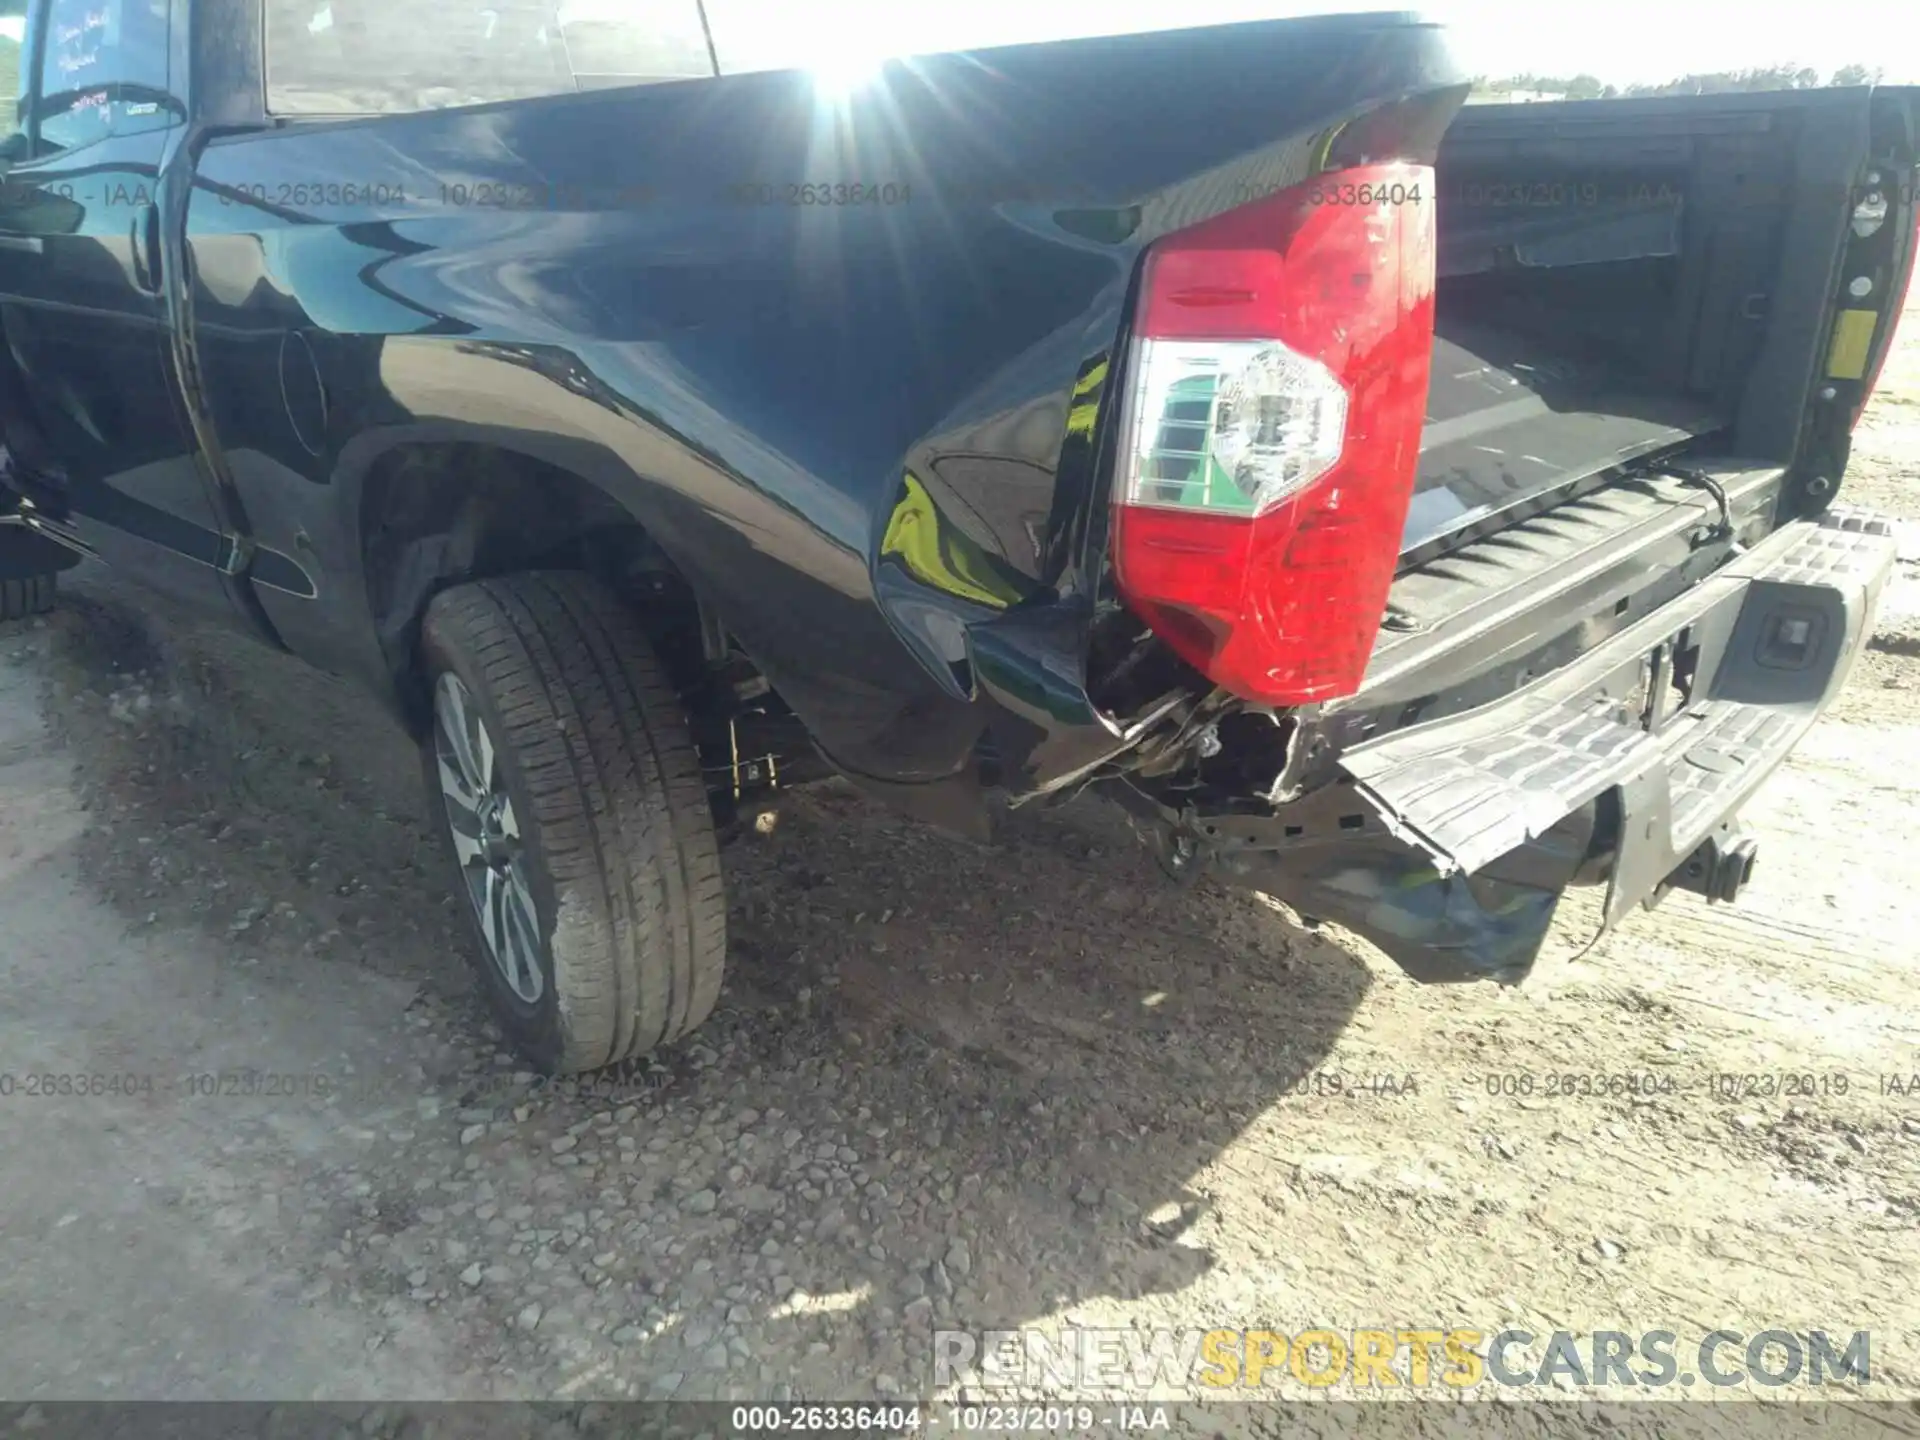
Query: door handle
{"x": 146, "y": 249}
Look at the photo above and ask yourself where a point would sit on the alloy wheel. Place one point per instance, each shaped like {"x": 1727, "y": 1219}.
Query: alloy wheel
{"x": 486, "y": 837}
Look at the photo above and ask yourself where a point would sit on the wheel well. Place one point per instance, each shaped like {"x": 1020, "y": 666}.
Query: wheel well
{"x": 436, "y": 515}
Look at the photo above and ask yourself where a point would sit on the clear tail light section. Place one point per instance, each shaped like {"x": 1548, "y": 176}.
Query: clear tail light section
{"x": 1272, "y": 430}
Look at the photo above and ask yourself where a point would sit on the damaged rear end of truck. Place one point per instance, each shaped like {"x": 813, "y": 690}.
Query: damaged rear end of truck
{"x": 1407, "y": 508}
{"x": 1472, "y": 527}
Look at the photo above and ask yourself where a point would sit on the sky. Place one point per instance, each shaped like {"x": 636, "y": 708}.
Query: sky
{"x": 1620, "y": 41}
{"x": 1623, "y": 41}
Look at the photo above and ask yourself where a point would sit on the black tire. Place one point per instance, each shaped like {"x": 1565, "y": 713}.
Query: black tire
{"x": 32, "y": 595}
{"x": 595, "y": 757}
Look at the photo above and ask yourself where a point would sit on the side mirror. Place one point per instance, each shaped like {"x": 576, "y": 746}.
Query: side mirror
{"x": 15, "y": 148}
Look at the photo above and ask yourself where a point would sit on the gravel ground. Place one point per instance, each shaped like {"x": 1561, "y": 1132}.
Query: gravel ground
{"x": 948, "y": 1086}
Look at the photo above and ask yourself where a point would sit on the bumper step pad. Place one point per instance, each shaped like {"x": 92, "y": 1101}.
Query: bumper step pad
{"x": 1764, "y": 645}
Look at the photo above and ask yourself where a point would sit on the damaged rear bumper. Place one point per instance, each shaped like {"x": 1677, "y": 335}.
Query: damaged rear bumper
{"x": 1449, "y": 843}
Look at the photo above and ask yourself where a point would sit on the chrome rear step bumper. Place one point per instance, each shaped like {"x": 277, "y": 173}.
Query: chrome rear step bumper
{"x": 1448, "y": 842}
{"x": 1685, "y": 713}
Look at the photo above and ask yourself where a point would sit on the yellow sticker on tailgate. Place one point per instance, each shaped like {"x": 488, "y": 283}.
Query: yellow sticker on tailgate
{"x": 1852, "y": 342}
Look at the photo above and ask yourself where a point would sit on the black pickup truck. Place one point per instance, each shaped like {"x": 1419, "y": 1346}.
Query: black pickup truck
{"x": 1406, "y": 509}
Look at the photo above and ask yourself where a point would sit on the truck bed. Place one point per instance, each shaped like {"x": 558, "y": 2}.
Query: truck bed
{"x": 1515, "y": 422}
{"x": 1620, "y": 281}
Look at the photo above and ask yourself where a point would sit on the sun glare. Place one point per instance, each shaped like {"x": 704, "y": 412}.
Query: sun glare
{"x": 841, "y": 74}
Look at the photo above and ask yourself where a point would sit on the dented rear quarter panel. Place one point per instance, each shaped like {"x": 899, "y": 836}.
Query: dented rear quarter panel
{"x": 867, "y": 433}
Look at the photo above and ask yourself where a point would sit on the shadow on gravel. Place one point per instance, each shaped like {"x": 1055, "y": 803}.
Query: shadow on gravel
{"x": 237, "y": 790}
{"x": 949, "y": 1085}
{"x": 1065, "y": 1043}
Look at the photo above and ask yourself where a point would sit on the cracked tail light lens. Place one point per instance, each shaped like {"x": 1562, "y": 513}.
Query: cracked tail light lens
{"x": 1279, "y": 383}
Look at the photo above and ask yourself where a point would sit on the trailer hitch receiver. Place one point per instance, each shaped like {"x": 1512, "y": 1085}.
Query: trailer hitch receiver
{"x": 1720, "y": 868}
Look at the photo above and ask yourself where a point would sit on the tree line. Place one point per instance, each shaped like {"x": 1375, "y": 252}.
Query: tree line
{"x": 1715, "y": 82}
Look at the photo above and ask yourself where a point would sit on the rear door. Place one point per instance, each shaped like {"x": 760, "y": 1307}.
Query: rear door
{"x": 92, "y": 409}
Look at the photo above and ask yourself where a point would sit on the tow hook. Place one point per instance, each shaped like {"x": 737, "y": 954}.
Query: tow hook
{"x": 1721, "y": 867}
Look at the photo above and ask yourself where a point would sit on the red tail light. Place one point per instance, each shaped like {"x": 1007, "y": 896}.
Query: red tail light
{"x": 1278, "y": 387}
{"x": 1897, "y": 304}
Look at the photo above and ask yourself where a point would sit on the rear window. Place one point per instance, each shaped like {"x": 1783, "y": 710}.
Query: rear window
{"x": 359, "y": 57}
{"x": 102, "y": 70}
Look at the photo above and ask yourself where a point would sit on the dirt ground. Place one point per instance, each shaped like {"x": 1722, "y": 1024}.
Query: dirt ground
{"x": 949, "y": 1086}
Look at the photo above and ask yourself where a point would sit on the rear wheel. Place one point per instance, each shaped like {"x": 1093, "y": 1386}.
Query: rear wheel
{"x": 571, "y": 798}
{"x": 30, "y": 595}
